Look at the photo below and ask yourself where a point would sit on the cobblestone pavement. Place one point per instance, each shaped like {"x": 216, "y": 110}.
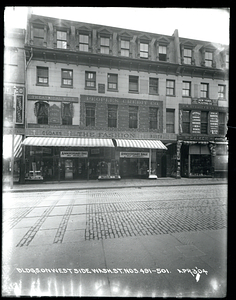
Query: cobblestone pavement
{"x": 116, "y": 213}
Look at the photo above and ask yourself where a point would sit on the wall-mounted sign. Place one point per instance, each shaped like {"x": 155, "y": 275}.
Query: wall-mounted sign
{"x": 52, "y": 98}
{"x": 196, "y": 122}
{"x": 19, "y": 109}
{"x": 134, "y": 154}
{"x": 214, "y": 122}
{"x": 204, "y": 101}
{"x": 54, "y": 114}
{"x": 74, "y": 154}
{"x": 101, "y": 88}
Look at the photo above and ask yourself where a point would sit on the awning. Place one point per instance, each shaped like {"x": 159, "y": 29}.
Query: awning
{"x": 67, "y": 142}
{"x": 147, "y": 144}
{"x": 7, "y": 146}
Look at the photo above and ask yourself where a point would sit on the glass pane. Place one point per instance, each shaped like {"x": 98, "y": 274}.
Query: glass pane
{"x": 143, "y": 47}
{"x": 125, "y": 52}
{"x": 208, "y": 55}
{"x": 162, "y": 49}
{"x": 38, "y": 32}
{"x": 104, "y": 41}
{"x": 125, "y": 44}
{"x": 170, "y": 83}
{"x": 104, "y": 50}
{"x": 61, "y": 35}
{"x": 188, "y": 52}
{"x": 187, "y": 60}
{"x": 83, "y": 38}
{"x": 83, "y": 47}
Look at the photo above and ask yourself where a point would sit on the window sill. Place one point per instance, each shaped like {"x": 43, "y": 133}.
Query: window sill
{"x": 187, "y": 96}
{"x": 41, "y": 84}
{"x": 67, "y": 86}
{"x": 134, "y": 92}
{"x": 90, "y": 88}
{"x": 153, "y": 94}
{"x": 112, "y": 90}
{"x": 171, "y": 96}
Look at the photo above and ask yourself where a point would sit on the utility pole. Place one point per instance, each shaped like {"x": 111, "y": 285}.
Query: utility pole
{"x": 13, "y": 140}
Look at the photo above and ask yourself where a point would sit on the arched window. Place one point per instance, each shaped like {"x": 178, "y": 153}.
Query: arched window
{"x": 67, "y": 113}
{"x": 41, "y": 112}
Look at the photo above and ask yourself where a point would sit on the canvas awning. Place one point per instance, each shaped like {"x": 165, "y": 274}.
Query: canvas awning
{"x": 67, "y": 142}
{"x": 147, "y": 144}
{"x": 7, "y": 146}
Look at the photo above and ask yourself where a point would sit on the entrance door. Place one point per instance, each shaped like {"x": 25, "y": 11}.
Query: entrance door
{"x": 68, "y": 169}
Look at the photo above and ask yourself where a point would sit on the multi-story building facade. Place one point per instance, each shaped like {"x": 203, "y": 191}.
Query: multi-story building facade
{"x": 13, "y": 104}
{"x": 108, "y": 102}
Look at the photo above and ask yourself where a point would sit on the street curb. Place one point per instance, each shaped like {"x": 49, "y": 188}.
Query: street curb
{"x": 109, "y": 187}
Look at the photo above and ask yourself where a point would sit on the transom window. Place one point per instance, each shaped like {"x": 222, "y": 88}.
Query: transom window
{"x": 186, "y": 89}
{"x": 61, "y": 39}
{"x": 133, "y": 116}
{"x": 112, "y": 116}
{"x": 153, "y": 120}
{"x": 162, "y": 53}
{"x": 170, "y": 87}
{"x": 105, "y": 45}
{"x": 90, "y": 80}
{"x": 42, "y": 75}
{"x": 204, "y": 90}
{"x": 66, "y": 77}
{"x": 38, "y": 36}
{"x": 144, "y": 50}
{"x": 187, "y": 56}
{"x": 208, "y": 59}
{"x": 153, "y": 86}
{"x": 221, "y": 91}
{"x": 124, "y": 45}
{"x": 83, "y": 42}
{"x": 112, "y": 81}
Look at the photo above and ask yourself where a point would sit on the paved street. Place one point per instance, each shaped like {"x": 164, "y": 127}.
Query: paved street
{"x": 147, "y": 241}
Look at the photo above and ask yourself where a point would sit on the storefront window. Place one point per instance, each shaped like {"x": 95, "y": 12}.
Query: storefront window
{"x": 200, "y": 165}
{"x": 41, "y": 112}
{"x": 67, "y": 113}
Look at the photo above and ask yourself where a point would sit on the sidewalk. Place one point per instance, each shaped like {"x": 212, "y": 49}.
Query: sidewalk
{"x": 109, "y": 184}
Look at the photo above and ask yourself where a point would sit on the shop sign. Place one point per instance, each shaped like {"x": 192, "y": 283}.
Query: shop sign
{"x": 54, "y": 114}
{"x": 52, "y": 98}
{"x": 214, "y": 122}
{"x": 74, "y": 154}
{"x": 204, "y": 101}
{"x": 196, "y": 122}
{"x": 134, "y": 154}
{"x": 19, "y": 109}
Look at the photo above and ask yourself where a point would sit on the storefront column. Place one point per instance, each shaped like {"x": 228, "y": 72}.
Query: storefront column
{"x": 22, "y": 165}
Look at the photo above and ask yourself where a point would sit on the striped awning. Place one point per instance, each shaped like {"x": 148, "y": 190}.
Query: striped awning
{"x": 7, "y": 146}
{"x": 147, "y": 144}
{"x": 67, "y": 142}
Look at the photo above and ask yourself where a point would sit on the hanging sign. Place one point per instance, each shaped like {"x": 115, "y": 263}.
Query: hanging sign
{"x": 134, "y": 154}
{"x": 74, "y": 154}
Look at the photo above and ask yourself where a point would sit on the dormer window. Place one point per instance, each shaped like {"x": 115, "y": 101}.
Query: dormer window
{"x": 124, "y": 47}
{"x": 83, "y": 42}
{"x": 38, "y": 36}
{"x": 162, "y": 53}
{"x": 143, "y": 50}
{"x": 208, "y": 59}
{"x": 187, "y": 56}
{"x": 61, "y": 39}
{"x": 105, "y": 45}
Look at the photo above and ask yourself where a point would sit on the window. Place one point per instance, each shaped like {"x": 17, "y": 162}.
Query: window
{"x": 204, "y": 122}
{"x": 227, "y": 61}
{"x": 67, "y": 78}
{"x": 186, "y": 92}
{"x": 112, "y": 116}
{"x": 186, "y": 121}
{"x": 133, "y": 117}
{"x": 170, "y": 120}
{"x": 204, "y": 90}
{"x": 105, "y": 45}
{"x": 90, "y": 114}
{"x": 42, "y": 75}
{"x": 83, "y": 42}
{"x": 38, "y": 36}
{"x": 187, "y": 56}
{"x": 41, "y": 112}
{"x": 112, "y": 82}
{"x": 124, "y": 45}
{"x": 170, "y": 87}
{"x": 208, "y": 59}
{"x": 133, "y": 84}
{"x": 61, "y": 39}
{"x": 153, "y": 86}
{"x": 90, "y": 80}
{"x": 67, "y": 113}
{"x": 222, "y": 124}
{"x": 153, "y": 111}
{"x": 221, "y": 91}
{"x": 143, "y": 50}
{"x": 162, "y": 53}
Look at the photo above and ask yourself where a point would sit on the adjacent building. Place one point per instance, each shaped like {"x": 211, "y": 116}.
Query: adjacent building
{"x": 105, "y": 102}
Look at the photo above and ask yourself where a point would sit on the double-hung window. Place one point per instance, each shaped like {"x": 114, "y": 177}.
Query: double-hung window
{"x": 186, "y": 91}
{"x": 187, "y": 56}
{"x": 61, "y": 39}
{"x": 38, "y": 36}
{"x": 83, "y": 42}
{"x": 153, "y": 117}
{"x": 208, "y": 59}
{"x": 153, "y": 86}
{"x": 222, "y": 122}
{"x": 112, "y": 82}
{"x": 112, "y": 116}
{"x": 90, "y": 80}
{"x": 42, "y": 75}
{"x": 186, "y": 121}
{"x": 133, "y": 116}
{"x": 144, "y": 50}
{"x": 221, "y": 91}
{"x": 66, "y": 78}
{"x": 105, "y": 45}
{"x": 170, "y": 120}
{"x": 90, "y": 114}
{"x": 162, "y": 53}
{"x": 170, "y": 87}
{"x": 204, "y": 122}
{"x": 204, "y": 90}
{"x": 124, "y": 48}
{"x": 133, "y": 84}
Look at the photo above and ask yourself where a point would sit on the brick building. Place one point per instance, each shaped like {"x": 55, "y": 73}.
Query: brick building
{"x": 105, "y": 102}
